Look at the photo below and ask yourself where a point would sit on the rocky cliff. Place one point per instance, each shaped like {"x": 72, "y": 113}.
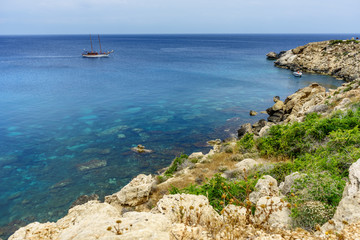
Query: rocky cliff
{"x": 337, "y": 58}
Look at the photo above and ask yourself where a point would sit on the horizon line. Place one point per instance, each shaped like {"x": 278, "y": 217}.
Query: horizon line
{"x": 63, "y": 34}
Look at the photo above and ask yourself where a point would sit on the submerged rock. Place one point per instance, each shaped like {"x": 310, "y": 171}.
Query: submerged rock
{"x": 93, "y": 164}
{"x": 97, "y": 151}
{"x": 61, "y": 184}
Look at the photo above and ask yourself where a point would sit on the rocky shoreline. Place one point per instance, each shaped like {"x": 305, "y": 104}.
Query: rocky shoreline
{"x": 337, "y": 58}
{"x": 143, "y": 209}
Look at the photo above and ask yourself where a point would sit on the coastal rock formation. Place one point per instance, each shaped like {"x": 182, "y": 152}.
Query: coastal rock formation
{"x": 274, "y": 212}
{"x": 246, "y": 165}
{"x": 244, "y": 129}
{"x": 253, "y": 113}
{"x": 348, "y": 210}
{"x": 285, "y": 187}
{"x": 297, "y": 104}
{"x": 141, "y": 149}
{"x": 196, "y": 155}
{"x": 186, "y": 207}
{"x": 133, "y": 194}
{"x": 336, "y": 58}
{"x": 95, "y": 220}
{"x": 266, "y": 186}
{"x": 84, "y": 199}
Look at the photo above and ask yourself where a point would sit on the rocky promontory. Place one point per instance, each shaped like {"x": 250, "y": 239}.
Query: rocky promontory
{"x": 338, "y": 58}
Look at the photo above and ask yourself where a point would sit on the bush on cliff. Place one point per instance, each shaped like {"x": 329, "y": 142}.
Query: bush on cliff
{"x": 220, "y": 191}
{"x": 175, "y": 164}
{"x": 321, "y": 148}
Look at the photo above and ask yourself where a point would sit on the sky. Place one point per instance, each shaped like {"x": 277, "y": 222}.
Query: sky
{"x": 178, "y": 16}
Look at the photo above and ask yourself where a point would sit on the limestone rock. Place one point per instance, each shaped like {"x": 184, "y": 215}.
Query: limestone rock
{"x": 140, "y": 149}
{"x": 133, "y": 194}
{"x": 297, "y": 104}
{"x": 253, "y": 113}
{"x": 246, "y": 165}
{"x": 232, "y": 212}
{"x": 266, "y": 186}
{"x": 318, "y": 108}
{"x": 181, "y": 207}
{"x": 196, "y": 155}
{"x": 256, "y": 127}
{"x": 348, "y": 209}
{"x": 285, "y": 187}
{"x": 272, "y": 55}
{"x": 354, "y": 177}
{"x": 244, "y": 129}
{"x": 182, "y": 231}
{"x": 84, "y": 199}
{"x": 340, "y": 60}
{"x": 342, "y": 104}
{"x": 86, "y": 221}
{"x": 280, "y": 216}
{"x": 264, "y": 131}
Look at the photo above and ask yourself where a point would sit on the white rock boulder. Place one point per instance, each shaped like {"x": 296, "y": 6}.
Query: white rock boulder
{"x": 181, "y": 208}
{"x": 348, "y": 210}
{"x": 273, "y": 212}
{"x": 266, "y": 186}
{"x": 135, "y": 193}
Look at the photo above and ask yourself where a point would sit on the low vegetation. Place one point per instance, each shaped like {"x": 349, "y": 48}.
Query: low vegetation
{"x": 321, "y": 148}
{"x": 333, "y": 42}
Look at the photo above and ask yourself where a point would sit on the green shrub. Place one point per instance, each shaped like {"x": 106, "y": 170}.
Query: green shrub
{"x": 246, "y": 143}
{"x": 333, "y": 42}
{"x": 316, "y": 197}
{"x": 175, "y": 164}
{"x": 279, "y": 171}
{"x": 216, "y": 188}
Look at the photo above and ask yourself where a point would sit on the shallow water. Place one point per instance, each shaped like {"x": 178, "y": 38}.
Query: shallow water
{"x": 170, "y": 93}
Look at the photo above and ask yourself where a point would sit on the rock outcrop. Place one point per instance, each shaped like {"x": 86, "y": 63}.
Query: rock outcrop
{"x": 273, "y": 211}
{"x": 133, "y": 194}
{"x": 285, "y": 187}
{"x": 95, "y": 220}
{"x": 266, "y": 186}
{"x": 180, "y": 208}
{"x": 340, "y": 59}
{"x": 348, "y": 210}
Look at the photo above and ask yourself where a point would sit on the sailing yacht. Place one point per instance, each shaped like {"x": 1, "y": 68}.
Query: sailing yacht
{"x": 94, "y": 54}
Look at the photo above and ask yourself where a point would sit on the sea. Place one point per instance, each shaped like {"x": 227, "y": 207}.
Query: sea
{"x": 61, "y": 114}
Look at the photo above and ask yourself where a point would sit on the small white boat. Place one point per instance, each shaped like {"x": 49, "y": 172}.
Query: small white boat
{"x": 297, "y": 74}
{"x": 94, "y": 54}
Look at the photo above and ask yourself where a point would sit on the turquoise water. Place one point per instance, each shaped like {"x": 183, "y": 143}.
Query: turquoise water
{"x": 170, "y": 93}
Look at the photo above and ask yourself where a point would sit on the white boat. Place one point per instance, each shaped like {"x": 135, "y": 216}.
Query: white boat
{"x": 94, "y": 54}
{"x": 297, "y": 74}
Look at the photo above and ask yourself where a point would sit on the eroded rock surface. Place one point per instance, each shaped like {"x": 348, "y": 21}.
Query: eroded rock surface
{"x": 133, "y": 194}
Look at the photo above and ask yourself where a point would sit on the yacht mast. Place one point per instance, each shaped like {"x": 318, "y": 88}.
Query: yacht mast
{"x": 99, "y": 42}
{"x": 91, "y": 44}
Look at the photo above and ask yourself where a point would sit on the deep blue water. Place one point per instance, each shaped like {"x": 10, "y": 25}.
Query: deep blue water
{"x": 170, "y": 93}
